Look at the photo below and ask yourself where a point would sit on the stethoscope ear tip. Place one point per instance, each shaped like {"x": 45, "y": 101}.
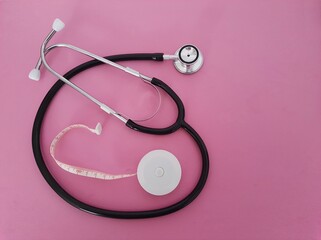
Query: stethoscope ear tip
{"x": 34, "y": 74}
{"x": 58, "y": 25}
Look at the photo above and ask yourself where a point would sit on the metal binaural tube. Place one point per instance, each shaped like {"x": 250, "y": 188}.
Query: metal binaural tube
{"x": 43, "y": 61}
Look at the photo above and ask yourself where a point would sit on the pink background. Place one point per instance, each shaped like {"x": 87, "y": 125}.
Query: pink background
{"x": 256, "y": 102}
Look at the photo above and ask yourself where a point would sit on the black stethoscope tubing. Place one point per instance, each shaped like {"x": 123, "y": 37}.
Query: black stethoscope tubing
{"x": 179, "y": 123}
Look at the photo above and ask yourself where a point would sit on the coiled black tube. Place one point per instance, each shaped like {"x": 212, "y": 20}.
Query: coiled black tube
{"x": 180, "y": 123}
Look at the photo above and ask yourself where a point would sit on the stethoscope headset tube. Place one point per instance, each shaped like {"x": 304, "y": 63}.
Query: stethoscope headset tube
{"x": 179, "y": 123}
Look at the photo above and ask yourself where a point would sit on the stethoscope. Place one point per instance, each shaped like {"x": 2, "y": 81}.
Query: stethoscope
{"x": 188, "y": 59}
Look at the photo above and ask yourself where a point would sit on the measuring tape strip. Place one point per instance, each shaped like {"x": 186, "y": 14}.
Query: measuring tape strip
{"x": 79, "y": 170}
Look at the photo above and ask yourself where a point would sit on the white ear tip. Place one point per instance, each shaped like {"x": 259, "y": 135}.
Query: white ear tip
{"x": 34, "y": 74}
{"x": 98, "y": 129}
{"x": 58, "y": 25}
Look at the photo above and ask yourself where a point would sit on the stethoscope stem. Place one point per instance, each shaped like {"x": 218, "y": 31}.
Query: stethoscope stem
{"x": 170, "y": 57}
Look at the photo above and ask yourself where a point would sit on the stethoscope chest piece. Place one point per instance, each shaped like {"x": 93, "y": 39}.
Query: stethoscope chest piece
{"x": 159, "y": 172}
{"x": 189, "y": 60}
